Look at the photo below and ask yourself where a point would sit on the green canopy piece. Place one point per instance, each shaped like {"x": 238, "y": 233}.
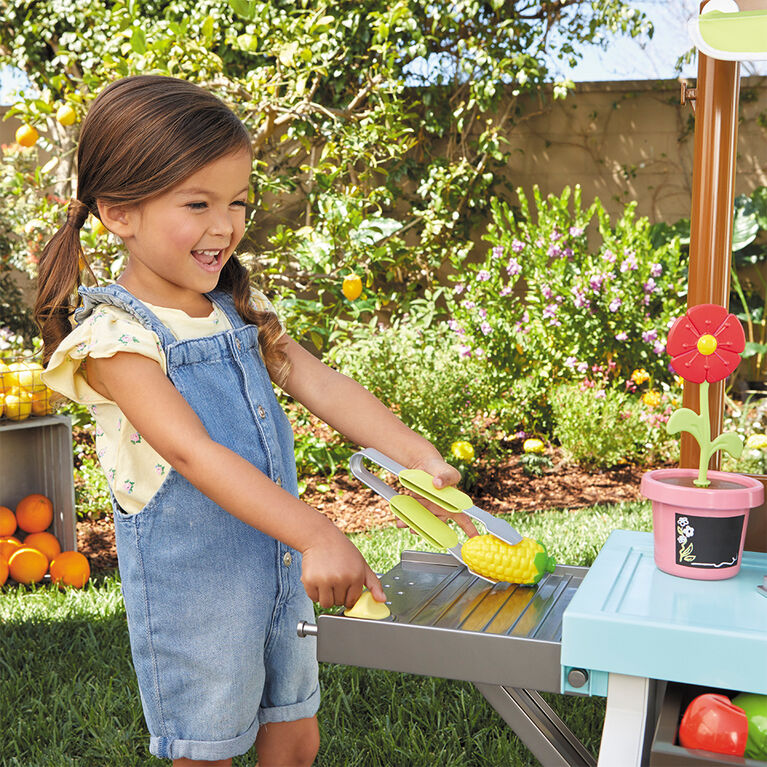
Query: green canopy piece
{"x": 723, "y": 31}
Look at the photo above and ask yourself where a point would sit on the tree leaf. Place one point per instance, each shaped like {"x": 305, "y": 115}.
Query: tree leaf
{"x": 138, "y": 41}
{"x": 744, "y": 225}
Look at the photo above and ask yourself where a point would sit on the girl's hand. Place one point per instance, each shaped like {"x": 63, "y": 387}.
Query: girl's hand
{"x": 444, "y": 475}
{"x": 335, "y": 573}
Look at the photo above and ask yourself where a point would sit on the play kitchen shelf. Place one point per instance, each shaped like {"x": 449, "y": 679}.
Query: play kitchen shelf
{"x": 619, "y": 629}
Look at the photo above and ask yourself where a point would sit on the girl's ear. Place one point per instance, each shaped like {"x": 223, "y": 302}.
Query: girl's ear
{"x": 116, "y": 218}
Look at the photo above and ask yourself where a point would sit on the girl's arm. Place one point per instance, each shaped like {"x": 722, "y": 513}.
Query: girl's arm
{"x": 361, "y": 417}
{"x": 334, "y": 571}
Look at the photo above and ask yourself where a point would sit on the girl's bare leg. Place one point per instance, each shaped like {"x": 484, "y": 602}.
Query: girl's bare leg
{"x": 288, "y": 744}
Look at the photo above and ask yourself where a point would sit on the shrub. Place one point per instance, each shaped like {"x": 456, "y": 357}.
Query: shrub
{"x": 413, "y": 368}
{"x": 597, "y": 428}
{"x": 563, "y": 289}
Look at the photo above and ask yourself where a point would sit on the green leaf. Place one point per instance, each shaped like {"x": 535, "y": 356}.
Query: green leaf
{"x": 744, "y": 225}
{"x": 753, "y": 348}
{"x": 730, "y": 442}
{"x": 138, "y": 41}
{"x": 684, "y": 419}
{"x": 244, "y": 8}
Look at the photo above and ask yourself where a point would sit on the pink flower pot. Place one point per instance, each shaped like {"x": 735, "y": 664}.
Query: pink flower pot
{"x": 699, "y": 531}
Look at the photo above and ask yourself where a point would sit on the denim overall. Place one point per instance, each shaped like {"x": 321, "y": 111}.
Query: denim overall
{"x": 213, "y": 603}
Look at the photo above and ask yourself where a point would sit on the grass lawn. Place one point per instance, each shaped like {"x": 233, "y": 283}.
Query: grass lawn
{"x": 69, "y": 695}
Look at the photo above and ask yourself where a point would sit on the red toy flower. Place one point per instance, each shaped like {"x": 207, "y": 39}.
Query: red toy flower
{"x": 705, "y": 344}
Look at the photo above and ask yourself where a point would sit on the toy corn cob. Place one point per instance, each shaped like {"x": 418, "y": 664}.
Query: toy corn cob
{"x": 525, "y": 563}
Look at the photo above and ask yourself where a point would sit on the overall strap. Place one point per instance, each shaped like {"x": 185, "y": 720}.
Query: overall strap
{"x": 225, "y": 302}
{"x": 118, "y": 296}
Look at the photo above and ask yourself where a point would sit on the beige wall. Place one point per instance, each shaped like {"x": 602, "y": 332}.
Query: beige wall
{"x": 624, "y": 141}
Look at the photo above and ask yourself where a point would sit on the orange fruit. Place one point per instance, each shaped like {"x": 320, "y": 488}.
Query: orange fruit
{"x": 3, "y": 571}
{"x": 7, "y": 522}
{"x": 70, "y": 568}
{"x": 352, "y": 286}
{"x": 26, "y": 135}
{"x": 66, "y": 115}
{"x": 8, "y": 546}
{"x": 34, "y": 513}
{"x": 45, "y": 542}
{"x": 28, "y": 565}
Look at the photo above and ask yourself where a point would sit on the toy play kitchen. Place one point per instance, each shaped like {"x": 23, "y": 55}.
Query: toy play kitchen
{"x": 669, "y": 626}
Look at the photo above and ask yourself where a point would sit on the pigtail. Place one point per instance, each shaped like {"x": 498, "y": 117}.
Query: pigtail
{"x": 59, "y": 278}
{"x": 236, "y": 281}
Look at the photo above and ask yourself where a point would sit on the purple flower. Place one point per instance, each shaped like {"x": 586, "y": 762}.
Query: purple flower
{"x": 649, "y": 286}
{"x": 506, "y": 291}
{"x": 483, "y": 275}
{"x": 582, "y": 367}
{"x": 575, "y": 231}
{"x": 599, "y": 394}
{"x": 630, "y": 264}
{"x": 513, "y": 267}
{"x": 595, "y": 282}
{"x": 540, "y": 242}
{"x": 485, "y": 328}
{"x": 459, "y": 289}
{"x": 610, "y": 257}
{"x": 497, "y": 252}
{"x": 555, "y": 235}
{"x": 482, "y": 312}
{"x": 546, "y": 291}
{"x": 567, "y": 252}
{"x": 468, "y": 304}
{"x": 659, "y": 347}
{"x": 554, "y": 251}
{"x": 656, "y": 270}
{"x": 622, "y": 336}
{"x": 615, "y": 304}
{"x": 550, "y": 311}
{"x": 649, "y": 335}
{"x": 453, "y": 325}
{"x": 580, "y": 299}
{"x": 517, "y": 246}
{"x": 464, "y": 351}
{"x": 571, "y": 362}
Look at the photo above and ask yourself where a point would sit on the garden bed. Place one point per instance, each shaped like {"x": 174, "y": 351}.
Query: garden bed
{"x": 502, "y": 487}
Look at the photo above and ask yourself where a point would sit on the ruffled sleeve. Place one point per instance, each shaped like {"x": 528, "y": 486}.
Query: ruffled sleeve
{"x": 262, "y": 304}
{"x": 106, "y": 331}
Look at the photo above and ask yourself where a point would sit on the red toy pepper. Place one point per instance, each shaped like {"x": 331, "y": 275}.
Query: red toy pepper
{"x": 713, "y": 723}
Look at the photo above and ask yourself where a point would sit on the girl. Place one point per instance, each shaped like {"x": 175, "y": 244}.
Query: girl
{"x": 218, "y": 557}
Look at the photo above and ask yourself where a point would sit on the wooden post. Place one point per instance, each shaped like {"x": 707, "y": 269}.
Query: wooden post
{"x": 713, "y": 197}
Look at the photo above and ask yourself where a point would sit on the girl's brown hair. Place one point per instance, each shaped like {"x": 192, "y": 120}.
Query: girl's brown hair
{"x": 142, "y": 136}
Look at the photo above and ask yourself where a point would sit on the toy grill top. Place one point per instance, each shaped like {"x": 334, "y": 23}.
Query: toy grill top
{"x": 447, "y": 622}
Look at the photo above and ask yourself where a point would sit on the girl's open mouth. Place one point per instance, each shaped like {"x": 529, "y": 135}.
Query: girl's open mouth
{"x": 209, "y": 260}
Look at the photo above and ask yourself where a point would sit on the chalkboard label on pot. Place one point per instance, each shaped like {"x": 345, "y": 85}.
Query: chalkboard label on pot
{"x": 708, "y": 542}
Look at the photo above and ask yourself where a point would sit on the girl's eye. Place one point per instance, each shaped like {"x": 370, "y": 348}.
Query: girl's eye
{"x": 197, "y": 205}
{"x": 240, "y": 203}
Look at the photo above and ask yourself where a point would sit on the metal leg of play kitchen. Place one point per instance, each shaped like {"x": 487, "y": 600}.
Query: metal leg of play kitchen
{"x": 536, "y": 724}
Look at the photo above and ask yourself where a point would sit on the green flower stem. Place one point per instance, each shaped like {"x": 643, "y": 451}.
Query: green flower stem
{"x": 704, "y": 442}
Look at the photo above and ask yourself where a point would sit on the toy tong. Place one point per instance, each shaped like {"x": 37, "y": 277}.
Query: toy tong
{"x": 417, "y": 516}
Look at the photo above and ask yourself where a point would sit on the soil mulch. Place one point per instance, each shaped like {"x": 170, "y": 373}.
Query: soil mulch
{"x": 354, "y": 508}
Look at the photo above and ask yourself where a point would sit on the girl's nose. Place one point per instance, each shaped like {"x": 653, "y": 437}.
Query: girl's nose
{"x": 221, "y": 224}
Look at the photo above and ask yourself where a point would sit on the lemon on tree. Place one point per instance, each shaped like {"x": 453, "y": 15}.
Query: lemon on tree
{"x": 352, "y": 286}
{"x": 66, "y": 114}
{"x": 27, "y": 135}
